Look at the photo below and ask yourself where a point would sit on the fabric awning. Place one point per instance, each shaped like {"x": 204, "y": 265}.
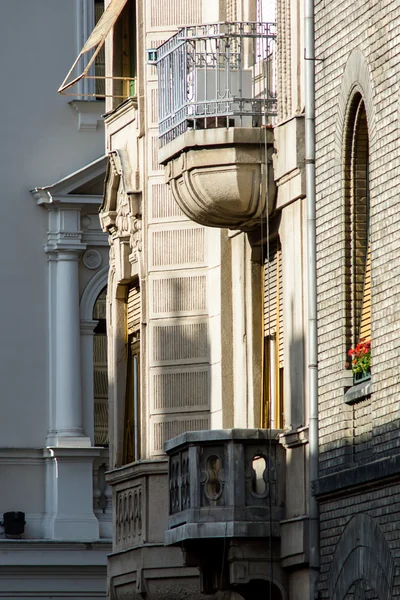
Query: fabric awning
{"x": 94, "y": 42}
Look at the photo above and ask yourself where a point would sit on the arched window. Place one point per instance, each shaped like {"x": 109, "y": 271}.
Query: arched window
{"x": 357, "y": 219}
{"x": 100, "y": 383}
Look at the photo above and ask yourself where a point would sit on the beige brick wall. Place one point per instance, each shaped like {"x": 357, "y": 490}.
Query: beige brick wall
{"x": 352, "y": 436}
{"x": 342, "y": 26}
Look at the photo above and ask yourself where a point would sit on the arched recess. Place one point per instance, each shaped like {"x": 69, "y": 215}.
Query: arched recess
{"x": 91, "y": 293}
{"x": 356, "y": 77}
{"x": 361, "y": 554}
{"x": 87, "y": 325}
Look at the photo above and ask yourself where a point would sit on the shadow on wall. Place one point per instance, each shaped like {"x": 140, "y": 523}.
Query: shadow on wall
{"x": 180, "y": 375}
{"x": 294, "y": 398}
{"x": 358, "y": 503}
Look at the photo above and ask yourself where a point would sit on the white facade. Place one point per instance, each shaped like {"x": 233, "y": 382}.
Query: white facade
{"x": 54, "y": 266}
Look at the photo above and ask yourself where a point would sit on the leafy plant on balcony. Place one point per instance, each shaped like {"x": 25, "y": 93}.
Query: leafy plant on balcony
{"x": 360, "y": 359}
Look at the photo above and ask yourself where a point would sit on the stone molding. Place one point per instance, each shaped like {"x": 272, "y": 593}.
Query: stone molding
{"x": 356, "y": 78}
{"x": 89, "y": 114}
{"x": 121, "y": 216}
{"x": 349, "y": 481}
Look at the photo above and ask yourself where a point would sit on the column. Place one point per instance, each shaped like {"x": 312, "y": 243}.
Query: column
{"x": 68, "y": 405}
{"x": 68, "y": 453}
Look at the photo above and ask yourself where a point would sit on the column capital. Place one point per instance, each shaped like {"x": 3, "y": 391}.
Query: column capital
{"x": 87, "y": 326}
{"x": 61, "y": 251}
{"x": 64, "y": 232}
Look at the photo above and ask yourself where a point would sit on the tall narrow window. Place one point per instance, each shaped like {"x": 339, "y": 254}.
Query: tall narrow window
{"x": 100, "y": 61}
{"x": 358, "y": 246}
{"x": 100, "y": 381}
{"x": 272, "y": 405}
{"x": 131, "y": 449}
{"x": 125, "y": 54}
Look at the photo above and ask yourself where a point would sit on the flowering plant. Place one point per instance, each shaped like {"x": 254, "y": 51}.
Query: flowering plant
{"x": 361, "y": 358}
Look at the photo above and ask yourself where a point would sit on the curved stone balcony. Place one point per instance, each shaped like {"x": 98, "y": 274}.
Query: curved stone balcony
{"x": 218, "y": 176}
{"x": 216, "y": 103}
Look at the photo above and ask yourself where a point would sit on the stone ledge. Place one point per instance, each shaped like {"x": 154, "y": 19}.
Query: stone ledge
{"x": 371, "y": 475}
{"x": 358, "y": 392}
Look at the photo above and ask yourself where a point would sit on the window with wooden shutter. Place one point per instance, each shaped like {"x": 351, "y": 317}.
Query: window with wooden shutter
{"x": 131, "y": 444}
{"x": 133, "y": 310}
{"x": 100, "y": 60}
{"x": 119, "y": 16}
{"x": 124, "y": 50}
{"x": 273, "y": 361}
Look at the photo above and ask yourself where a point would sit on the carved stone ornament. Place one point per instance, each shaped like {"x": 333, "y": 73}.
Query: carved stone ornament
{"x": 120, "y": 214}
{"x": 92, "y": 259}
{"x": 219, "y": 177}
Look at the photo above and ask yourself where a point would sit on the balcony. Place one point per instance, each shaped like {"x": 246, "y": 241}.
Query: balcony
{"x": 216, "y": 105}
{"x": 226, "y": 501}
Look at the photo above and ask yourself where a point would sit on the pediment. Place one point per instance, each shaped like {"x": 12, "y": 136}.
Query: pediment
{"x": 82, "y": 187}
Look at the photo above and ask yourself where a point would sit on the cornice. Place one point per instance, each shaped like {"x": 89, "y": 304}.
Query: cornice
{"x": 372, "y": 475}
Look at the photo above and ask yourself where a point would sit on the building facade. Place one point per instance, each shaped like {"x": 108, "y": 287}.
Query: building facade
{"x": 207, "y": 301}
{"x": 56, "y": 528}
{"x": 357, "y": 133}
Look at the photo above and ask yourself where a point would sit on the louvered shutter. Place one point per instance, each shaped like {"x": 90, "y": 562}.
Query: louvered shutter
{"x": 133, "y": 309}
{"x": 273, "y": 326}
{"x": 365, "y": 327}
{"x": 271, "y": 291}
{"x": 280, "y": 306}
{"x": 273, "y": 297}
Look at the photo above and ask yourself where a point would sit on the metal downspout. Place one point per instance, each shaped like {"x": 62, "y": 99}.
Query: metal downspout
{"x": 312, "y": 290}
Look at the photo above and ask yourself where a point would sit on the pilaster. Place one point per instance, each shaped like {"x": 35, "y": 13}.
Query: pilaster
{"x": 69, "y": 494}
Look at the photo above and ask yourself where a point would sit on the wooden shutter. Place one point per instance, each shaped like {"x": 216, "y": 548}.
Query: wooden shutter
{"x": 280, "y": 306}
{"x": 133, "y": 309}
{"x": 271, "y": 290}
{"x": 273, "y": 329}
{"x": 365, "y": 327}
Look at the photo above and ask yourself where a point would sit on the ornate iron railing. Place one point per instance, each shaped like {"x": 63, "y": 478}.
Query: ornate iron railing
{"x": 216, "y": 75}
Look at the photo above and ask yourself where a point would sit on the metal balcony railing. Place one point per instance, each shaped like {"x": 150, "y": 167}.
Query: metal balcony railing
{"x": 216, "y": 75}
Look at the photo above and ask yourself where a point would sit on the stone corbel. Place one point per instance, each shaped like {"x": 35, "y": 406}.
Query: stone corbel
{"x": 122, "y": 250}
{"x": 108, "y": 210}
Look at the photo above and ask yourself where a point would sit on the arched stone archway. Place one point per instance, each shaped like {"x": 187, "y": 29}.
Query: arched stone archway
{"x": 362, "y": 554}
{"x": 91, "y": 292}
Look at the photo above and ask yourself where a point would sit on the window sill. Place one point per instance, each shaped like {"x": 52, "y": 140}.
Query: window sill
{"x": 89, "y": 113}
{"x": 358, "y": 392}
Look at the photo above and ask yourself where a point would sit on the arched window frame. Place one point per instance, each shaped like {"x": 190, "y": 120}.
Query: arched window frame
{"x": 357, "y": 228}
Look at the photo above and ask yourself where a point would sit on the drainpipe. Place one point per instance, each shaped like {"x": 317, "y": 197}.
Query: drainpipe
{"x": 309, "y": 52}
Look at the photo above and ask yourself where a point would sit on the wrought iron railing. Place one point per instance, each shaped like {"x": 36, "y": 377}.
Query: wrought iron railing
{"x": 216, "y": 75}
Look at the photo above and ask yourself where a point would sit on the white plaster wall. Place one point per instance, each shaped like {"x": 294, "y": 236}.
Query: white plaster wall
{"x": 39, "y": 144}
